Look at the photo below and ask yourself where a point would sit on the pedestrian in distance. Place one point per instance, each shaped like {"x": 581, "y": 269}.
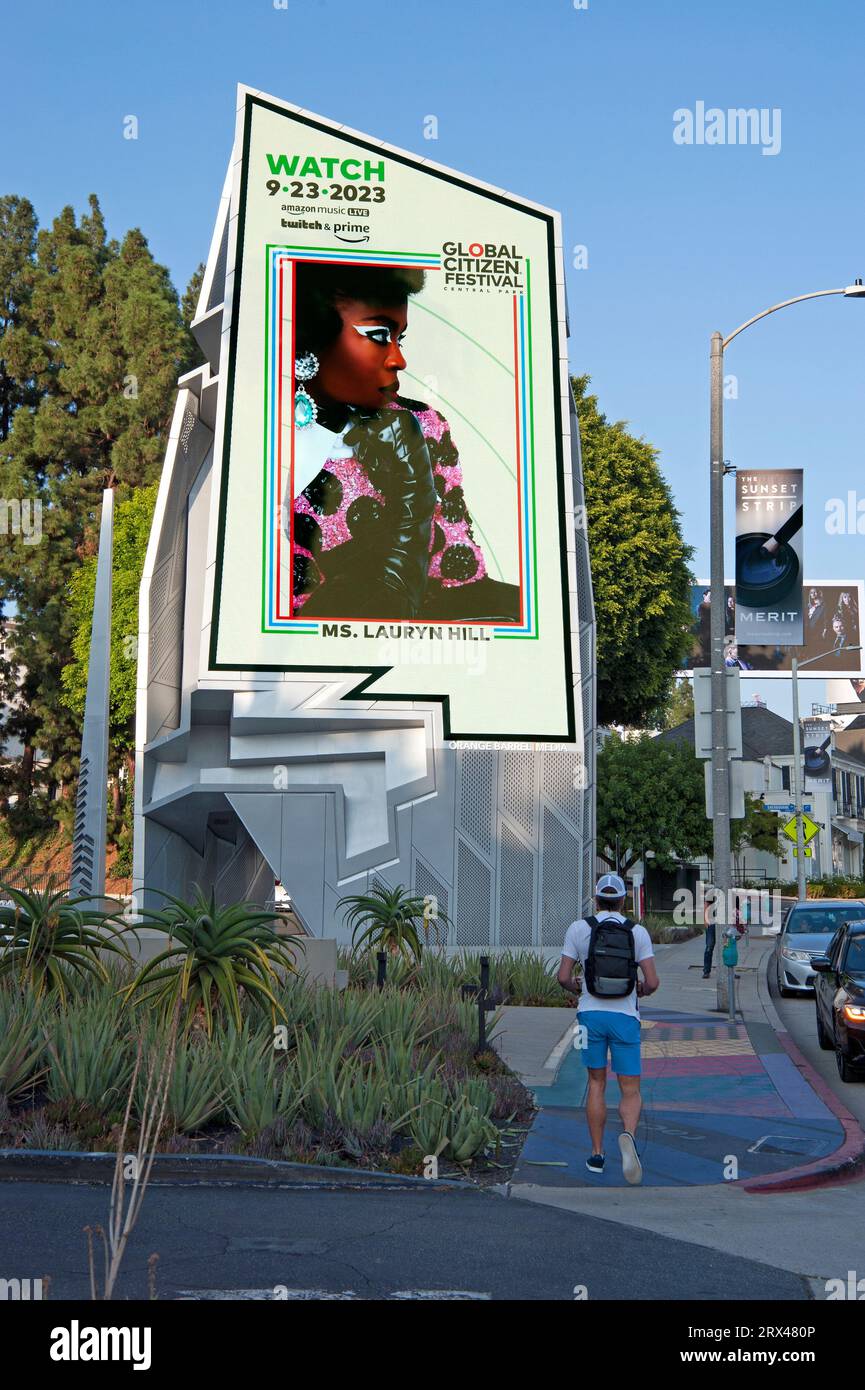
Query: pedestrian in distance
{"x": 613, "y": 952}
{"x": 709, "y": 923}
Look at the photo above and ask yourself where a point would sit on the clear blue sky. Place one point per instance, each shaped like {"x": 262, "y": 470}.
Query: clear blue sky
{"x": 573, "y": 108}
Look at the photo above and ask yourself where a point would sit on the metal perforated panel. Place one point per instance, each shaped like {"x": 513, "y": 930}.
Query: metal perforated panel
{"x": 518, "y": 787}
{"x": 588, "y": 712}
{"x": 588, "y": 884}
{"x": 583, "y": 592}
{"x": 561, "y": 903}
{"x": 561, "y": 779}
{"x": 472, "y": 918}
{"x": 585, "y": 650}
{"x": 159, "y": 586}
{"x": 165, "y": 641}
{"x": 477, "y": 790}
{"x": 217, "y": 285}
{"x": 516, "y": 877}
{"x": 426, "y": 885}
{"x": 234, "y": 882}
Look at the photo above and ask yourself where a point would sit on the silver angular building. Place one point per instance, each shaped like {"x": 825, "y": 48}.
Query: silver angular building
{"x": 247, "y": 777}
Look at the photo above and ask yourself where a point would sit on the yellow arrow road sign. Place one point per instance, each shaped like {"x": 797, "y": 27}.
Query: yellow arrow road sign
{"x": 809, "y": 829}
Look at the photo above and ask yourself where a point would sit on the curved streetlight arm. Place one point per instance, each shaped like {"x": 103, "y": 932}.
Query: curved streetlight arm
{"x": 819, "y": 657}
{"x": 817, "y": 294}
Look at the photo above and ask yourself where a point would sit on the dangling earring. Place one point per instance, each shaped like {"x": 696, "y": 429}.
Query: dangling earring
{"x": 305, "y": 408}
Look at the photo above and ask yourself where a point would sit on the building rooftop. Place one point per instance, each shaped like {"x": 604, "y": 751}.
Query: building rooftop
{"x": 764, "y": 735}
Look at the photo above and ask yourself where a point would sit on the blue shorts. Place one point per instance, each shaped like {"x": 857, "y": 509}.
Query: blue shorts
{"x": 618, "y": 1032}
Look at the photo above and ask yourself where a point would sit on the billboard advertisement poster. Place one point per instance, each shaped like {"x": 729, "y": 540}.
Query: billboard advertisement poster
{"x": 817, "y": 743}
{"x": 850, "y": 737}
{"x": 832, "y": 628}
{"x": 395, "y": 486}
{"x": 769, "y": 571}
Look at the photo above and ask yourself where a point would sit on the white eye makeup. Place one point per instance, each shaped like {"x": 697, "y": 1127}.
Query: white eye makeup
{"x": 376, "y": 333}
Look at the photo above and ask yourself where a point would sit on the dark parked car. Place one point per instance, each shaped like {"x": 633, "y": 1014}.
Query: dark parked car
{"x": 807, "y": 930}
{"x": 839, "y": 990}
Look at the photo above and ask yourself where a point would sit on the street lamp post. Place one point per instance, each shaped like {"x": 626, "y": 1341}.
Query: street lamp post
{"x": 798, "y": 780}
{"x": 720, "y": 751}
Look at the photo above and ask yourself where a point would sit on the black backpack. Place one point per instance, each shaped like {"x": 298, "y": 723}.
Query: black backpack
{"x": 611, "y": 966}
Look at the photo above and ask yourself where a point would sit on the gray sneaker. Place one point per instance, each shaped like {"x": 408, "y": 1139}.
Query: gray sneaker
{"x": 631, "y": 1165}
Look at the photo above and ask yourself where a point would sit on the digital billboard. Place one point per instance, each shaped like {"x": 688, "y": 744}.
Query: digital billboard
{"x": 395, "y": 449}
{"x": 831, "y": 622}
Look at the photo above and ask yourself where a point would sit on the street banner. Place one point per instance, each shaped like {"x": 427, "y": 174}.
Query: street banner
{"x": 832, "y": 630}
{"x": 395, "y": 472}
{"x": 769, "y": 529}
{"x": 817, "y": 744}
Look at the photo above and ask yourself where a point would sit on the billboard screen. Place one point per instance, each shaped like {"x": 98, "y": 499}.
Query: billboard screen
{"x": 769, "y": 557}
{"x": 395, "y": 466}
{"x": 831, "y": 624}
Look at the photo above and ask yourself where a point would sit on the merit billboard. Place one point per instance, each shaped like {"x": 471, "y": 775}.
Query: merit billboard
{"x": 832, "y": 630}
{"x": 395, "y": 447}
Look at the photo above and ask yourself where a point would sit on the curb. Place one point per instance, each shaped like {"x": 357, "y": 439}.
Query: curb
{"x": 847, "y": 1163}
{"x": 217, "y": 1170}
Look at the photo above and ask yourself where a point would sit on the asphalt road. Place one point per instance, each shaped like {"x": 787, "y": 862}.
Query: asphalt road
{"x": 798, "y": 1014}
{"x": 367, "y": 1245}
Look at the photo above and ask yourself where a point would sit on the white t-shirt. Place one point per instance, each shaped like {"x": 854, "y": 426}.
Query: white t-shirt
{"x": 576, "y": 947}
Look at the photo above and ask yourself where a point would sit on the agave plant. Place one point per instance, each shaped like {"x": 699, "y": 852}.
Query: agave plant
{"x": 320, "y": 1065}
{"x": 50, "y": 942}
{"x": 21, "y": 1041}
{"x": 194, "y": 1094}
{"x": 353, "y": 1012}
{"x": 428, "y": 1122}
{"x": 91, "y": 1060}
{"x": 213, "y": 953}
{"x": 469, "y": 1131}
{"x": 529, "y": 979}
{"x": 261, "y": 1092}
{"x": 387, "y": 919}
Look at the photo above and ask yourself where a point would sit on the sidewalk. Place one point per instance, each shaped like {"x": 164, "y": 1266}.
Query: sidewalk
{"x": 722, "y": 1102}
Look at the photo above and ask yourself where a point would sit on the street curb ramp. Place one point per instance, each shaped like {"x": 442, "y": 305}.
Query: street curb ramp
{"x": 847, "y": 1163}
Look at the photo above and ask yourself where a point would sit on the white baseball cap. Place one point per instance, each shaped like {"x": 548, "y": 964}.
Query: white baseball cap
{"x": 611, "y": 886}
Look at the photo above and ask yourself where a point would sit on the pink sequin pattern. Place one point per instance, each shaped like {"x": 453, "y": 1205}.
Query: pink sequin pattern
{"x": 444, "y": 532}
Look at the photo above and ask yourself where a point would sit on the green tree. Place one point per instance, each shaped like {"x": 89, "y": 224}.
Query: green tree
{"x": 679, "y": 707}
{"x": 640, "y": 570}
{"x": 102, "y": 340}
{"x": 758, "y": 830}
{"x": 651, "y": 796}
{"x": 131, "y": 530}
{"x": 17, "y": 247}
{"x": 189, "y": 302}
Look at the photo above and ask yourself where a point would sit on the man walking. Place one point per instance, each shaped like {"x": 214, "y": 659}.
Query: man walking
{"x": 611, "y": 950}
{"x": 709, "y": 924}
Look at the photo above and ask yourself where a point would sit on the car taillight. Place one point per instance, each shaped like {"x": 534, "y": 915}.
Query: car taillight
{"x": 854, "y": 1012}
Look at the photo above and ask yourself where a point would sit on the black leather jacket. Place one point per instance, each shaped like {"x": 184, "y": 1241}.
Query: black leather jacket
{"x": 391, "y": 582}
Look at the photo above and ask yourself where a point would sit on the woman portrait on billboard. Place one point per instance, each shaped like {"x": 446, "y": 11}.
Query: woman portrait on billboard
{"x": 378, "y": 515}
